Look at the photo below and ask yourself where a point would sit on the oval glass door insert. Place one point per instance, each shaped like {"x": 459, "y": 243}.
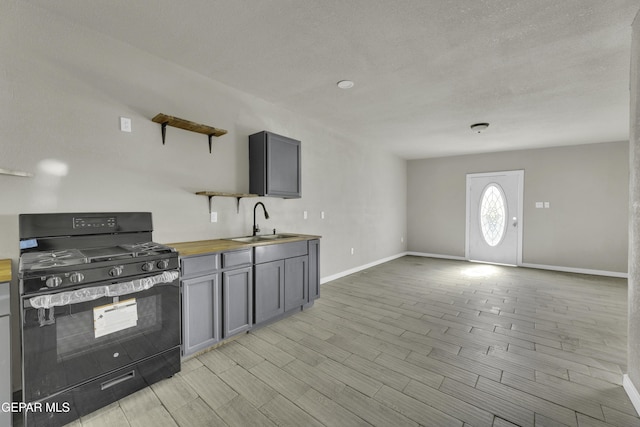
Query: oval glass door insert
{"x": 493, "y": 214}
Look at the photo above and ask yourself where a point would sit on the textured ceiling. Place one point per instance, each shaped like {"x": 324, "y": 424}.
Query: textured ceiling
{"x": 542, "y": 72}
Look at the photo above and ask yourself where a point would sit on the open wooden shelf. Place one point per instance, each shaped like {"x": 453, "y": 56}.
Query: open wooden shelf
{"x": 212, "y": 194}
{"x": 166, "y": 120}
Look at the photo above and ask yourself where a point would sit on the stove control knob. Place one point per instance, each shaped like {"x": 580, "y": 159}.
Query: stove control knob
{"x": 53, "y": 281}
{"x": 163, "y": 263}
{"x": 116, "y": 271}
{"x": 147, "y": 266}
{"x": 76, "y": 277}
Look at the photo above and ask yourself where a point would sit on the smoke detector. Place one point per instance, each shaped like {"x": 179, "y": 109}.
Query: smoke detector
{"x": 345, "y": 84}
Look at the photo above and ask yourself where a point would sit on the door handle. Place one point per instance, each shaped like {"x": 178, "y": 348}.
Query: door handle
{"x": 515, "y": 221}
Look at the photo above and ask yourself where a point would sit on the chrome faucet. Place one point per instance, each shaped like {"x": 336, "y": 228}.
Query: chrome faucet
{"x": 256, "y": 229}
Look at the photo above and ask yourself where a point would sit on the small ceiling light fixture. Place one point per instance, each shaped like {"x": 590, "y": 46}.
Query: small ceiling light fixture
{"x": 479, "y": 127}
{"x": 345, "y": 84}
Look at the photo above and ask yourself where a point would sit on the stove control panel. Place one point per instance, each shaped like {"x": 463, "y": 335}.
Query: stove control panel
{"x": 89, "y": 274}
{"x": 91, "y": 223}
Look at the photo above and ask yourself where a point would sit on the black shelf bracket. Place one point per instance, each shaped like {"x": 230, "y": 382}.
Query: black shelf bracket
{"x": 164, "y": 131}
{"x": 237, "y": 204}
{"x": 210, "y": 141}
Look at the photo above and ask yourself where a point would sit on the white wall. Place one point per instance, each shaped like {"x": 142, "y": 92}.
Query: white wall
{"x": 586, "y": 185}
{"x": 62, "y": 91}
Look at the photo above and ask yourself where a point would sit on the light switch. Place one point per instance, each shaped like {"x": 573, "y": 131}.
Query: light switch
{"x": 322, "y": 215}
{"x": 546, "y": 205}
{"x": 539, "y": 205}
{"x": 304, "y": 215}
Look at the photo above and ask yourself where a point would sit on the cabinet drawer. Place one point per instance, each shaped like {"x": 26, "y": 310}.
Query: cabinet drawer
{"x": 194, "y": 265}
{"x": 237, "y": 258}
{"x": 280, "y": 251}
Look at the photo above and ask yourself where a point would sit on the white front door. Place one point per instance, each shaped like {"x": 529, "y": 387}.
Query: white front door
{"x": 494, "y": 217}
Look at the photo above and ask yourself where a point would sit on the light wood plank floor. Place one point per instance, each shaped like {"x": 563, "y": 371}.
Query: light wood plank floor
{"x": 415, "y": 341}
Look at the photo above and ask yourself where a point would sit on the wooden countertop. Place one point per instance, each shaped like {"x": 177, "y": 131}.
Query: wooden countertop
{"x": 5, "y": 270}
{"x": 200, "y": 247}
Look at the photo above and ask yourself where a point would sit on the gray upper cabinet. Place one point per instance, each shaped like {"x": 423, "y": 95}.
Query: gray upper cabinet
{"x": 274, "y": 162}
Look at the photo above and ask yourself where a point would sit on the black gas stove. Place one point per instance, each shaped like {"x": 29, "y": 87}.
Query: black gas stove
{"x": 100, "y": 307}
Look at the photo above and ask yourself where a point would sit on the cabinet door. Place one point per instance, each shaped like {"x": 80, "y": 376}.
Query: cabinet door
{"x": 237, "y": 287}
{"x": 296, "y": 285}
{"x": 269, "y": 290}
{"x": 201, "y": 313}
{"x": 274, "y": 164}
{"x": 314, "y": 269}
{"x": 283, "y": 166}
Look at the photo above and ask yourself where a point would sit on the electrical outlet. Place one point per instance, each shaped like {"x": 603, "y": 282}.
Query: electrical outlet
{"x": 304, "y": 215}
{"x": 539, "y": 205}
{"x": 214, "y": 216}
{"x": 546, "y": 205}
{"x": 322, "y": 215}
{"x": 125, "y": 124}
{"x": 351, "y": 251}
{"x": 402, "y": 239}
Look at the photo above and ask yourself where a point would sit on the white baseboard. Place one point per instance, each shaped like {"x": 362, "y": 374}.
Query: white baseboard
{"x": 324, "y": 280}
{"x": 576, "y": 270}
{"x": 632, "y": 392}
{"x": 423, "y": 254}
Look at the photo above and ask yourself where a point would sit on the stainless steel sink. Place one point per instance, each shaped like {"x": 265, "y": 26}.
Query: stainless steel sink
{"x": 249, "y": 239}
{"x": 275, "y": 236}
{"x": 261, "y": 238}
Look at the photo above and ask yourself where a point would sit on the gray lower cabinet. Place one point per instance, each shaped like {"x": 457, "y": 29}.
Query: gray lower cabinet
{"x": 314, "y": 270}
{"x": 5, "y": 353}
{"x": 296, "y": 285}
{"x": 202, "y": 320}
{"x": 217, "y": 297}
{"x": 237, "y": 297}
{"x": 226, "y": 293}
{"x": 281, "y": 279}
{"x": 269, "y": 290}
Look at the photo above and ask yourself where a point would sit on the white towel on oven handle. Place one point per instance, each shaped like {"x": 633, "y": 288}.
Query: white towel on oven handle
{"x": 92, "y": 293}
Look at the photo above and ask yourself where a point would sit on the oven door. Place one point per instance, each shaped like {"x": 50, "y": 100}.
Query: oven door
{"x": 70, "y": 337}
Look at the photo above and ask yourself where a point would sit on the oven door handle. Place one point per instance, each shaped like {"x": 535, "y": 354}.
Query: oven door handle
{"x": 93, "y": 293}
